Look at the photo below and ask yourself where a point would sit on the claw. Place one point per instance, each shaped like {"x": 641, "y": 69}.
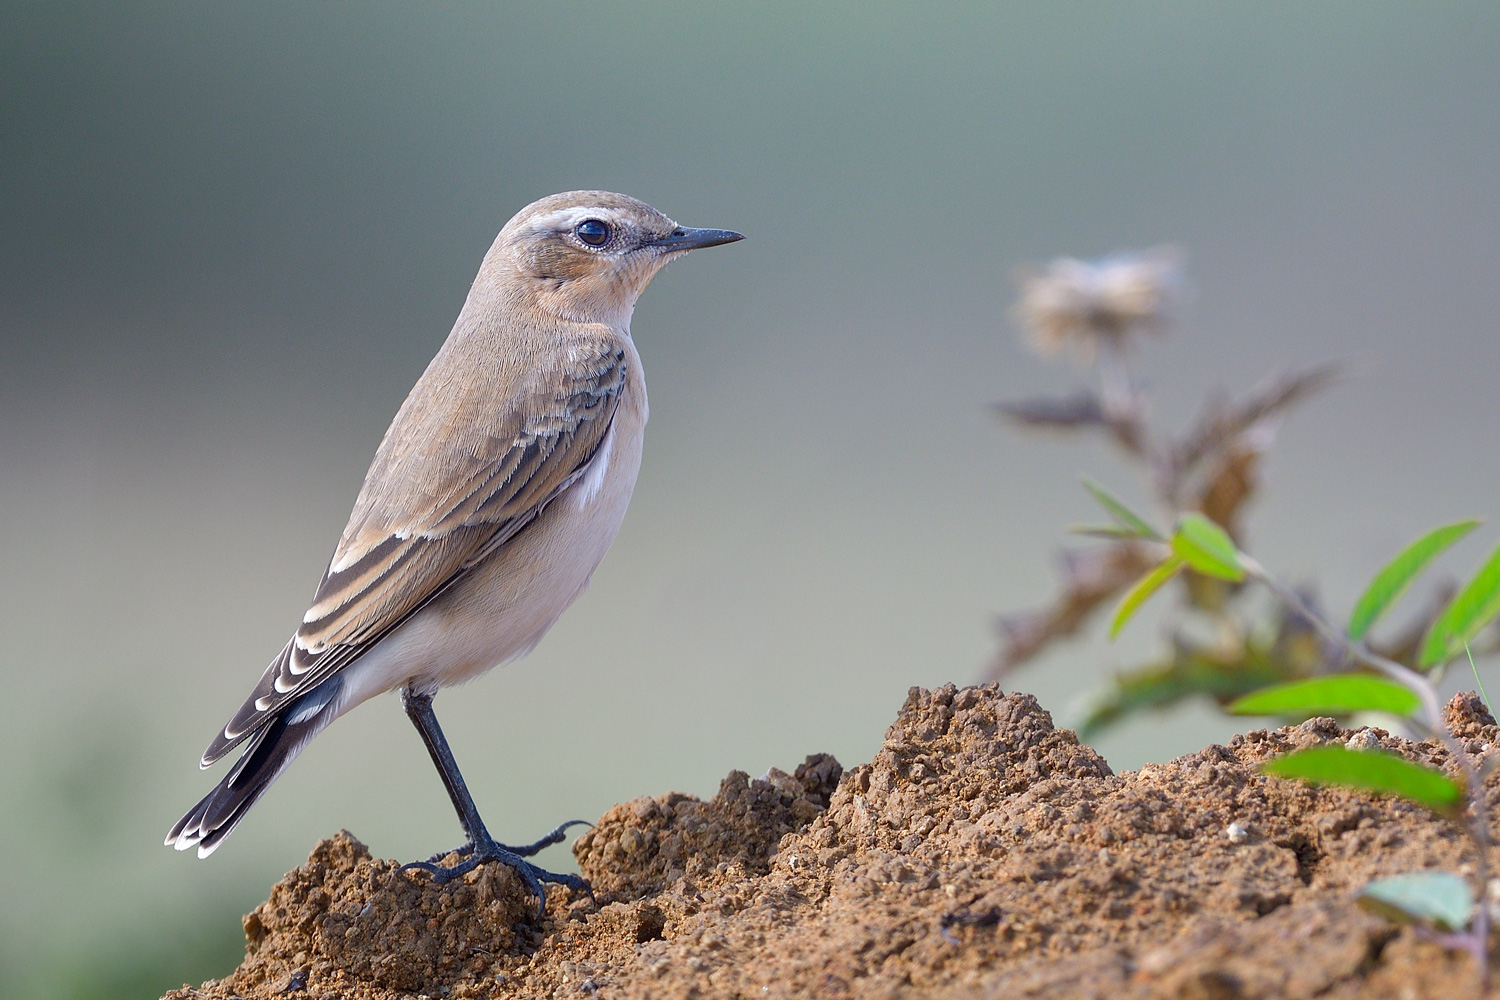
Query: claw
{"x": 555, "y": 836}
{"x": 462, "y": 852}
{"x": 515, "y": 858}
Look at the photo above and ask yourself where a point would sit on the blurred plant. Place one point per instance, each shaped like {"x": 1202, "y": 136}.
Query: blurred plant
{"x": 1093, "y": 310}
{"x": 1284, "y": 659}
{"x": 1222, "y": 642}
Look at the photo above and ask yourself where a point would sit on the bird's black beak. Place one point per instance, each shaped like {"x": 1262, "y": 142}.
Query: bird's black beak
{"x": 683, "y": 238}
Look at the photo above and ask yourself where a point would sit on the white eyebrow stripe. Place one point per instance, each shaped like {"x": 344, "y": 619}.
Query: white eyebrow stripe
{"x": 567, "y": 218}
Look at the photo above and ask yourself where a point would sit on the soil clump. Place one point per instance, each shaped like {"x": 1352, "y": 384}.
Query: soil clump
{"x": 982, "y": 853}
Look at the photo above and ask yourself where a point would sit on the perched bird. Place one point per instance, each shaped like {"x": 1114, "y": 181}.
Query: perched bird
{"x": 495, "y": 493}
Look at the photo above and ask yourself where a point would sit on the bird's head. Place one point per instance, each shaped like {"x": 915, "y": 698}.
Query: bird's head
{"x": 588, "y": 255}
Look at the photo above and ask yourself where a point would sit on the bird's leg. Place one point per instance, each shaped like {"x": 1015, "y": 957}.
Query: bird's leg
{"x": 481, "y": 846}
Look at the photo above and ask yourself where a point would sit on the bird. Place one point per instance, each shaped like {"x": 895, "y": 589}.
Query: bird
{"x": 495, "y": 493}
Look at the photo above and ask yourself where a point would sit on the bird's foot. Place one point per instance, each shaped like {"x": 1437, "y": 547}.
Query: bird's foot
{"x": 556, "y": 836}
{"x": 462, "y": 852}
{"x": 474, "y": 855}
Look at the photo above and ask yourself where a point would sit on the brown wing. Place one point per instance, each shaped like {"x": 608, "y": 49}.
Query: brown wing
{"x": 450, "y": 484}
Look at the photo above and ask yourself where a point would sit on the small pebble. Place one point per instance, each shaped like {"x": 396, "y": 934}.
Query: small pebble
{"x": 1362, "y": 740}
{"x": 1237, "y": 834}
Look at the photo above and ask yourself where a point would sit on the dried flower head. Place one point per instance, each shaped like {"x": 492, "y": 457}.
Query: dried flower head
{"x": 1084, "y": 304}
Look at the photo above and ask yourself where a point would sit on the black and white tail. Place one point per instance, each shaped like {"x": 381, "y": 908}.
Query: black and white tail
{"x": 270, "y": 751}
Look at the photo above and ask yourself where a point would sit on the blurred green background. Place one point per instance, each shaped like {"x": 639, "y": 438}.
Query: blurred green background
{"x": 231, "y": 236}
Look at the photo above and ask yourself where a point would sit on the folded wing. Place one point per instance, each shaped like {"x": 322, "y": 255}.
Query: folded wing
{"x": 449, "y": 485}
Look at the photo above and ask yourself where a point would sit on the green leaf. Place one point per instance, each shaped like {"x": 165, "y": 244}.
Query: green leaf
{"x": 1218, "y": 674}
{"x": 1127, "y": 518}
{"x": 1373, "y": 770}
{"x": 1339, "y": 694}
{"x": 1112, "y": 531}
{"x": 1207, "y": 548}
{"x": 1143, "y": 589}
{"x": 1440, "y": 898}
{"x": 1392, "y": 581}
{"x": 1470, "y": 610}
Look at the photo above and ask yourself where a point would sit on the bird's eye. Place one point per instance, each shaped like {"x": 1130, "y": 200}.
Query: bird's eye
{"x": 593, "y": 232}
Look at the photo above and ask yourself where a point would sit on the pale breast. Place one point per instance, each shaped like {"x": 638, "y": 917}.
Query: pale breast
{"x": 502, "y": 608}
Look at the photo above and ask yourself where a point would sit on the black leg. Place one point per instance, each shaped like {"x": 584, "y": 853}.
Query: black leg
{"x": 419, "y": 711}
{"x": 481, "y": 846}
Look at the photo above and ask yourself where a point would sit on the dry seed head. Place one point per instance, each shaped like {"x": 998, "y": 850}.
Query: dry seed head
{"x": 1082, "y": 304}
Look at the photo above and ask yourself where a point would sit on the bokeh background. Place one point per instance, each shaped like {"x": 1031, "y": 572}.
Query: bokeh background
{"x": 231, "y": 236}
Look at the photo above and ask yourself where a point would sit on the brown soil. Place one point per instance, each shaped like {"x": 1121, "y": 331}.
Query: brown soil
{"x": 982, "y": 853}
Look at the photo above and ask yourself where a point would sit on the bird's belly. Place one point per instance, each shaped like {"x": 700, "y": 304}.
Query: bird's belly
{"x": 504, "y": 607}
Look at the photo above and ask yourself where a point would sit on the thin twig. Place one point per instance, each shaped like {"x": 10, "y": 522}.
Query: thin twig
{"x": 1121, "y": 402}
{"x": 1482, "y": 692}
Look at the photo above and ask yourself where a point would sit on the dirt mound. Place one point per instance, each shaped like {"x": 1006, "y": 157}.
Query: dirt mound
{"x": 982, "y": 853}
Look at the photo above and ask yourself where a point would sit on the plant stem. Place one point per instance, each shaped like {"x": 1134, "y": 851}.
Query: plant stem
{"x": 1121, "y": 402}
{"x": 1482, "y": 692}
{"x": 1431, "y": 708}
